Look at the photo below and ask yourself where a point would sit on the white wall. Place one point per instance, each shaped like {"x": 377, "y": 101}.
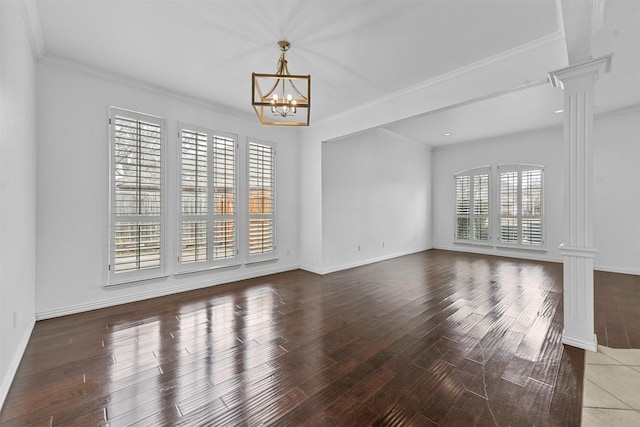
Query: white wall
{"x": 543, "y": 147}
{"x": 310, "y": 208}
{"x": 616, "y": 171}
{"x": 375, "y": 189}
{"x": 73, "y": 172}
{"x": 497, "y": 74}
{"x": 17, "y": 191}
{"x": 616, "y": 187}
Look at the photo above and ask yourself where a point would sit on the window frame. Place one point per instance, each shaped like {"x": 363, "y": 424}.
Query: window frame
{"x": 210, "y": 217}
{"x": 473, "y": 216}
{"x": 113, "y": 277}
{"x": 519, "y": 168}
{"x": 272, "y": 255}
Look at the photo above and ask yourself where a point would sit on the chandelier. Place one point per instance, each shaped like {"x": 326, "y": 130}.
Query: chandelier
{"x": 281, "y": 99}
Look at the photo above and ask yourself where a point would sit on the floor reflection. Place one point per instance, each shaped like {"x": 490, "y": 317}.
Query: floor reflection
{"x": 431, "y": 338}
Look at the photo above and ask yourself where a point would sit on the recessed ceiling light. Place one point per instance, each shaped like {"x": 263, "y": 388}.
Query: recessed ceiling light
{"x": 558, "y": 111}
{"x": 447, "y": 134}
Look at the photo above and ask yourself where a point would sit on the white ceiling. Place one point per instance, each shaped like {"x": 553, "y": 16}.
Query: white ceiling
{"x": 355, "y": 51}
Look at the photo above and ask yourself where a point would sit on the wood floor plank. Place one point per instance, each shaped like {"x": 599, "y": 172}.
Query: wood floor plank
{"x": 433, "y": 338}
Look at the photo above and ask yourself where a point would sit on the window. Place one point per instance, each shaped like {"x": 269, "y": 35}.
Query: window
{"x": 136, "y": 196}
{"x": 261, "y": 193}
{"x": 520, "y": 205}
{"x": 208, "y": 234}
{"x": 472, "y": 206}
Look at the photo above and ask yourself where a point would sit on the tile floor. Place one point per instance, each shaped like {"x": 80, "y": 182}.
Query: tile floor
{"x": 611, "y": 394}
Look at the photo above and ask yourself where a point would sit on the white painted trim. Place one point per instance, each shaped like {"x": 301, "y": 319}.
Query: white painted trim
{"x": 519, "y": 50}
{"x": 478, "y": 243}
{"x": 15, "y": 362}
{"x": 79, "y": 308}
{"x": 448, "y": 108}
{"x": 311, "y": 269}
{"x": 590, "y": 67}
{"x": 560, "y": 22}
{"x": 114, "y": 278}
{"x": 621, "y": 270}
{"x": 515, "y": 253}
{"x": 575, "y": 251}
{"x": 210, "y": 217}
{"x": 273, "y": 216}
{"x": 371, "y": 260}
{"x": 518, "y": 253}
{"x": 34, "y": 29}
{"x": 585, "y": 344}
{"x": 69, "y": 65}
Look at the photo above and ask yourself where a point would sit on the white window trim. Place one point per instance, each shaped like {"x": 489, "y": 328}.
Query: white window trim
{"x": 519, "y": 168}
{"x": 482, "y": 170}
{"x": 249, "y": 259}
{"x": 114, "y": 278}
{"x": 209, "y": 263}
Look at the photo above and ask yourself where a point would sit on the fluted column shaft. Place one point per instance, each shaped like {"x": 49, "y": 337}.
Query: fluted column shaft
{"x": 578, "y": 251}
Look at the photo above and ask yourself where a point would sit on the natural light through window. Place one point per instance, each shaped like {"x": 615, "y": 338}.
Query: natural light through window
{"x": 136, "y": 195}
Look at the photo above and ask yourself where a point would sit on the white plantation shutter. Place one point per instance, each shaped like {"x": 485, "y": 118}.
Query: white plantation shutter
{"x": 463, "y": 207}
{"x": 224, "y": 198}
{"x": 521, "y": 205}
{"x": 208, "y": 199}
{"x": 136, "y": 201}
{"x": 481, "y": 207}
{"x": 508, "y": 207}
{"x": 472, "y": 206}
{"x": 531, "y": 196}
{"x": 194, "y": 197}
{"x": 261, "y": 192}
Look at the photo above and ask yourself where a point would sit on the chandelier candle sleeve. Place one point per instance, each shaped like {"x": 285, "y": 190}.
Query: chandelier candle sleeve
{"x": 281, "y": 99}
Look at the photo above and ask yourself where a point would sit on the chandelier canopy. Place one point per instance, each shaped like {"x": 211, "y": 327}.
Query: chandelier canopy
{"x": 281, "y": 99}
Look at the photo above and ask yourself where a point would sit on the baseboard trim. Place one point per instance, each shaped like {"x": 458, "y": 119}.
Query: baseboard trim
{"x": 622, "y": 270}
{"x": 311, "y": 268}
{"x": 80, "y": 308}
{"x": 15, "y": 362}
{"x": 367, "y": 261}
{"x": 520, "y": 254}
{"x": 585, "y": 344}
{"x": 510, "y": 253}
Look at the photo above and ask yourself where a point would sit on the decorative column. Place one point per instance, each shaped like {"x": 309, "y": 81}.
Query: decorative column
{"x": 577, "y": 250}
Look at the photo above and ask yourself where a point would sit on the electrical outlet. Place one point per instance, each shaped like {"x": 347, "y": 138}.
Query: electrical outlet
{"x": 383, "y": 244}
{"x": 288, "y": 251}
{"x": 358, "y": 248}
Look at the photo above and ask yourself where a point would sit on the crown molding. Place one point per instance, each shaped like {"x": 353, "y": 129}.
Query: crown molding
{"x": 550, "y": 39}
{"x": 34, "y": 30}
{"x": 77, "y": 67}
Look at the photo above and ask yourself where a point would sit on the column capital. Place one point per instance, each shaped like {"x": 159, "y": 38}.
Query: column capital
{"x": 592, "y": 67}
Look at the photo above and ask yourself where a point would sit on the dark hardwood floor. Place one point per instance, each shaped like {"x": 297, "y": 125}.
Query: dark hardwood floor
{"x": 434, "y": 338}
{"x": 617, "y": 309}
